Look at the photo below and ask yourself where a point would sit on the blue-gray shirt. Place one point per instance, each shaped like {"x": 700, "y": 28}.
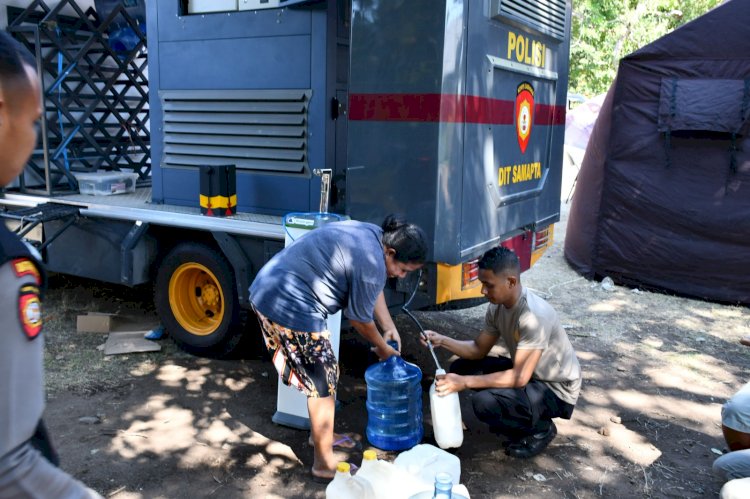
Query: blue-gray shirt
{"x": 338, "y": 266}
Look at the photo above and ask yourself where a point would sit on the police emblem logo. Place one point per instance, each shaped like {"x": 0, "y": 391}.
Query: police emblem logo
{"x": 524, "y": 114}
{"x": 30, "y": 311}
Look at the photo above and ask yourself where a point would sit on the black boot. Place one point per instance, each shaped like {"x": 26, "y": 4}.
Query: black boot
{"x": 532, "y": 445}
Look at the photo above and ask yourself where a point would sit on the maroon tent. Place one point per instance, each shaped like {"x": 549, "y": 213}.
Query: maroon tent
{"x": 663, "y": 195}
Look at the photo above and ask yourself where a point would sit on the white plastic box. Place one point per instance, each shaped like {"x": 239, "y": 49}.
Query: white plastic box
{"x": 206, "y": 6}
{"x": 106, "y": 183}
{"x": 258, "y": 4}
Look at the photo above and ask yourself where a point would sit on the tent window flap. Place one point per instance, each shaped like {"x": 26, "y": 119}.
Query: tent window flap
{"x": 703, "y": 105}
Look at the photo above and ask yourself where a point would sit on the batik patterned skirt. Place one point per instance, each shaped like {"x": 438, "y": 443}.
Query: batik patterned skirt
{"x": 304, "y": 360}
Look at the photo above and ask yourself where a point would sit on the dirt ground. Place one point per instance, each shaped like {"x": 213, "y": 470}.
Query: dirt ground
{"x": 169, "y": 425}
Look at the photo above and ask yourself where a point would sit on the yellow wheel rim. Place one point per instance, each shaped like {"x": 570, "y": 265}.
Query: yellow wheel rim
{"x": 196, "y": 299}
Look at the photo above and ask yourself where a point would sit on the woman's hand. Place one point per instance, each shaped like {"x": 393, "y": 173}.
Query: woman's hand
{"x": 385, "y": 351}
{"x": 392, "y": 335}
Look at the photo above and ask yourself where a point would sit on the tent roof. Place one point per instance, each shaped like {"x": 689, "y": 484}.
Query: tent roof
{"x": 697, "y": 39}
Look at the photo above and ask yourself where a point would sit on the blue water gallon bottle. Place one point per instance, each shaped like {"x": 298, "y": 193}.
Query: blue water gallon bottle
{"x": 394, "y": 404}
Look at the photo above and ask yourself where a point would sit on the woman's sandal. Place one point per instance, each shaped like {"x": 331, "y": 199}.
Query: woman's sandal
{"x": 344, "y": 443}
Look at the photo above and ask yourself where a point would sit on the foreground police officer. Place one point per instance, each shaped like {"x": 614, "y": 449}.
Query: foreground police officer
{"x": 26, "y": 454}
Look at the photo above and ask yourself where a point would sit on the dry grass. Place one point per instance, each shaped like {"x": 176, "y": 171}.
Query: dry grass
{"x": 73, "y": 361}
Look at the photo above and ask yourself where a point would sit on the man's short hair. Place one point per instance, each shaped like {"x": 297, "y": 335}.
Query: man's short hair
{"x": 500, "y": 260}
{"x": 13, "y": 59}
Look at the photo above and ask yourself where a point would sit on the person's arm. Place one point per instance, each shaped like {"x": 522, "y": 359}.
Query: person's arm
{"x": 478, "y": 348}
{"x": 370, "y": 332}
{"x": 384, "y": 319}
{"x": 524, "y": 364}
{"x": 29, "y": 474}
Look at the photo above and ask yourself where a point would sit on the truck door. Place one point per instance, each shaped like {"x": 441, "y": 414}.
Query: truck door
{"x": 514, "y": 121}
{"x": 340, "y": 103}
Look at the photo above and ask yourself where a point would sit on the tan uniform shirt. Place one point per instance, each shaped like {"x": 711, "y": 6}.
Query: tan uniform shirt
{"x": 532, "y": 324}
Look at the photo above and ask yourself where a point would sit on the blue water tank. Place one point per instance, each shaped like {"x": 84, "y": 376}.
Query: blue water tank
{"x": 394, "y": 404}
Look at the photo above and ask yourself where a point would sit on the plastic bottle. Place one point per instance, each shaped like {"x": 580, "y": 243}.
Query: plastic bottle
{"x": 443, "y": 489}
{"x": 387, "y": 480}
{"x": 346, "y": 486}
{"x": 424, "y": 461}
{"x": 446, "y": 417}
{"x": 394, "y": 404}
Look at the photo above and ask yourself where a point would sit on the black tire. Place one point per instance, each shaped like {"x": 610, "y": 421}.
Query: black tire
{"x": 196, "y": 299}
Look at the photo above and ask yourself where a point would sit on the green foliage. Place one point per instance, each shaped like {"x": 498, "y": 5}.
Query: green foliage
{"x": 604, "y": 31}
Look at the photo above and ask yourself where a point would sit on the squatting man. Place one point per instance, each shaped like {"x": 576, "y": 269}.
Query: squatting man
{"x": 537, "y": 379}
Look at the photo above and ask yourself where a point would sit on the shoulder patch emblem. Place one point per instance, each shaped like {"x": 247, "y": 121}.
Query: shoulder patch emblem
{"x": 30, "y": 311}
{"x": 24, "y": 266}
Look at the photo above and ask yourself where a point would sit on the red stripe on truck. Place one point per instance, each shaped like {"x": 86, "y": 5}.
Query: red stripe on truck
{"x": 444, "y": 108}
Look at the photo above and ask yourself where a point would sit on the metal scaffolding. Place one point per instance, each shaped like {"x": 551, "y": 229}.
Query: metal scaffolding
{"x": 95, "y": 91}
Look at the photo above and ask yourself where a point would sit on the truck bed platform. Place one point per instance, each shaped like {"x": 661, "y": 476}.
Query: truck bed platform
{"x": 137, "y": 206}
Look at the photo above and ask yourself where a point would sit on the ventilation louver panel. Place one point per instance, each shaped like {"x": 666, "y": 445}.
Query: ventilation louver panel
{"x": 546, "y": 16}
{"x": 251, "y": 129}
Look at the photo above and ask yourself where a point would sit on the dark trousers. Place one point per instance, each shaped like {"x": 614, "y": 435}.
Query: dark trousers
{"x": 513, "y": 412}
{"x": 41, "y": 441}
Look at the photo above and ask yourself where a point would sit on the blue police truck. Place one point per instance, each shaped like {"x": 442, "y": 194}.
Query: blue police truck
{"x": 450, "y": 112}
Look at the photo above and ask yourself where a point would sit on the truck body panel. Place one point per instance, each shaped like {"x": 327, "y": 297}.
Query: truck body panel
{"x": 448, "y": 112}
{"x": 451, "y": 105}
{"x": 224, "y": 51}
